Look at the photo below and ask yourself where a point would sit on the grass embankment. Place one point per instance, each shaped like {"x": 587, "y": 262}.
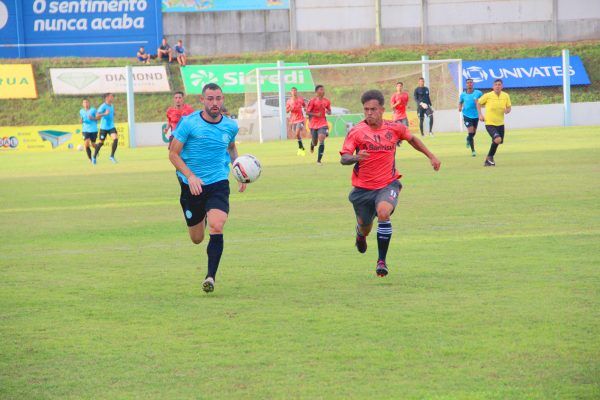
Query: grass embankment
{"x": 49, "y": 109}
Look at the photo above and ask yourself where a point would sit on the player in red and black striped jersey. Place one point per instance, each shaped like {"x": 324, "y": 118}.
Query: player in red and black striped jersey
{"x": 371, "y": 147}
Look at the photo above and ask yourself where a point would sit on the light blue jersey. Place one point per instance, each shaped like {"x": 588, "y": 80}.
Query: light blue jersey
{"x": 88, "y": 123}
{"x": 205, "y": 146}
{"x": 108, "y": 121}
{"x": 468, "y": 101}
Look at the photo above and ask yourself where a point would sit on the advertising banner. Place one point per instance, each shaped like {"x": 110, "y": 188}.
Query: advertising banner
{"x": 77, "y": 81}
{"x": 51, "y": 138}
{"x": 524, "y": 72}
{"x": 17, "y": 82}
{"x": 223, "y": 5}
{"x": 83, "y": 28}
{"x": 239, "y": 78}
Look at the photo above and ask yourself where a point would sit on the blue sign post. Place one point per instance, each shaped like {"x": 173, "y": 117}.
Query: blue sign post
{"x": 84, "y": 28}
{"x": 524, "y": 72}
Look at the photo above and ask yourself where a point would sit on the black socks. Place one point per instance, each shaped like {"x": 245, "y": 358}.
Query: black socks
{"x": 214, "y": 250}
{"x": 115, "y": 143}
{"x": 384, "y": 235}
{"x": 321, "y": 151}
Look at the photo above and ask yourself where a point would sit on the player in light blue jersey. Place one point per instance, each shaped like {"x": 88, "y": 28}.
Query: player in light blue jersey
{"x": 467, "y": 104}
{"x": 89, "y": 126}
{"x": 203, "y": 146}
{"x": 107, "y": 127}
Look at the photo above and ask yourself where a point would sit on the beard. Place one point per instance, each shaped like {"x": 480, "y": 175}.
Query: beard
{"x": 213, "y": 113}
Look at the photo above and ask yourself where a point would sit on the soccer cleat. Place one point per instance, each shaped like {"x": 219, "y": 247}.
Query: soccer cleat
{"x": 473, "y": 153}
{"x": 431, "y": 134}
{"x": 114, "y": 160}
{"x": 93, "y": 160}
{"x": 361, "y": 243}
{"x": 489, "y": 162}
{"x": 319, "y": 163}
{"x": 301, "y": 152}
{"x": 208, "y": 285}
{"x": 382, "y": 269}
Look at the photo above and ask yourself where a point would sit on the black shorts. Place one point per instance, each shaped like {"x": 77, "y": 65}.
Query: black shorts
{"x": 365, "y": 201}
{"x": 90, "y": 135}
{"x": 422, "y": 112}
{"x": 495, "y": 131}
{"x": 471, "y": 122}
{"x": 106, "y": 132}
{"x": 213, "y": 196}
{"x": 320, "y": 131}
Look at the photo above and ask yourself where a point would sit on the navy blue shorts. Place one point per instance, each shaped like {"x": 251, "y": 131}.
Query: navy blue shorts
{"x": 213, "y": 196}
{"x": 90, "y": 135}
{"x": 105, "y": 132}
{"x": 471, "y": 122}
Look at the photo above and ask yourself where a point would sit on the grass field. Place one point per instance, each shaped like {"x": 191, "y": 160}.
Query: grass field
{"x": 494, "y": 289}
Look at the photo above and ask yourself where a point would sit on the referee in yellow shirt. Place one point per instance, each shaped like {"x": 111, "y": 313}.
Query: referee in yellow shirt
{"x": 496, "y": 103}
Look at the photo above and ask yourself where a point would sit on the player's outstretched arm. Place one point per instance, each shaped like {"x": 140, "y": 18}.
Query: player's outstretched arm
{"x": 420, "y": 146}
{"x": 233, "y": 154}
{"x": 194, "y": 182}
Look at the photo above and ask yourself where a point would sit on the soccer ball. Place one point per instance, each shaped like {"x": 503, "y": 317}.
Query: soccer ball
{"x": 80, "y": 147}
{"x": 246, "y": 168}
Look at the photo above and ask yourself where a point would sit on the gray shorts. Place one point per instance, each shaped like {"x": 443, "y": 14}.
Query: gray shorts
{"x": 316, "y": 132}
{"x": 297, "y": 125}
{"x": 403, "y": 121}
{"x": 365, "y": 201}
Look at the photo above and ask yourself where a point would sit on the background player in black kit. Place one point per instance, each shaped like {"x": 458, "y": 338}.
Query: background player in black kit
{"x": 423, "y": 104}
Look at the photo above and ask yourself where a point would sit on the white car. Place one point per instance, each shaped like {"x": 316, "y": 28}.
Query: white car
{"x": 270, "y": 108}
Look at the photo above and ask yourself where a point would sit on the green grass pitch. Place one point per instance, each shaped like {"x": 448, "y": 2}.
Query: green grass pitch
{"x": 493, "y": 292}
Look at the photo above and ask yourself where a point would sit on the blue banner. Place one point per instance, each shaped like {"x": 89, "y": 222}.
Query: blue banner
{"x": 524, "y": 72}
{"x": 83, "y": 28}
{"x": 223, "y": 5}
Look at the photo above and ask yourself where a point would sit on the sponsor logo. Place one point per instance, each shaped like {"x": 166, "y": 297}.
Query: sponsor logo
{"x": 240, "y": 78}
{"x": 524, "y": 72}
{"x": 11, "y": 142}
{"x": 202, "y": 78}
{"x": 17, "y": 82}
{"x": 77, "y": 79}
{"x": 475, "y": 73}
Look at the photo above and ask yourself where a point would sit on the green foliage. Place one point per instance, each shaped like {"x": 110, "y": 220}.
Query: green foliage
{"x": 49, "y": 109}
{"x": 494, "y": 289}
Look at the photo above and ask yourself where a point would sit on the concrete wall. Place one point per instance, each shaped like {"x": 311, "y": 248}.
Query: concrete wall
{"x": 343, "y": 24}
{"x": 229, "y": 32}
{"x": 525, "y": 117}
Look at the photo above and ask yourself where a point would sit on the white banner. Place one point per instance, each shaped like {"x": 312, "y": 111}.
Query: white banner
{"x": 77, "y": 81}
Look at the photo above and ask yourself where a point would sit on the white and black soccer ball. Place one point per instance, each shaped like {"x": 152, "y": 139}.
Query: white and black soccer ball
{"x": 246, "y": 168}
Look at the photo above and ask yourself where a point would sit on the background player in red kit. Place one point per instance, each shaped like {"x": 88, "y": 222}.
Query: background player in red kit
{"x": 174, "y": 113}
{"x": 371, "y": 147}
{"x": 399, "y": 102}
{"x": 317, "y": 109}
{"x": 295, "y": 106}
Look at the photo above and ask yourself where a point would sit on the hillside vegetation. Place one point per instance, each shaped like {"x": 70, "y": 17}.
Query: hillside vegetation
{"x": 50, "y": 109}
